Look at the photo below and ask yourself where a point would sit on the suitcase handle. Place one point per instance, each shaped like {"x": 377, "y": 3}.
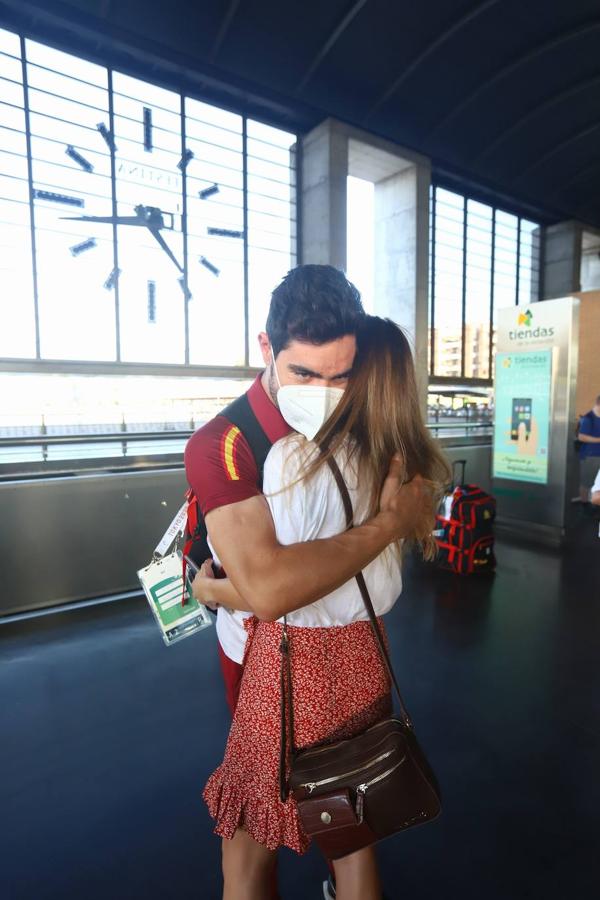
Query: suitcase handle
{"x": 458, "y": 481}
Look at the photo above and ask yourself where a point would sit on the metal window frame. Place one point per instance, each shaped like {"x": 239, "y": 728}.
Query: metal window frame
{"x": 463, "y": 327}
{"x": 463, "y": 380}
{"x": 113, "y": 188}
{"x": 492, "y": 298}
{"x": 110, "y": 367}
{"x": 32, "y": 234}
{"x": 245, "y": 248}
{"x": 518, "y": 275}
{"x": 432, "y": 298}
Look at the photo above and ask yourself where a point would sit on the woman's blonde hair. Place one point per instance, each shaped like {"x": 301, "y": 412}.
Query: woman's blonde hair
{"x": 381, "y": 415}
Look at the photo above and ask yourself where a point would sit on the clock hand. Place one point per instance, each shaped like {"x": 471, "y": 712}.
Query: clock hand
{"x": 109, "y": 220}
{"x": 149, "y": 216}
{"x": 156, "y": 234}
{"x": 144, "y": 215}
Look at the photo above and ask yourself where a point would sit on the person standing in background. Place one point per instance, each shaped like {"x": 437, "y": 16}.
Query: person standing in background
{"x": 589, "y": 453}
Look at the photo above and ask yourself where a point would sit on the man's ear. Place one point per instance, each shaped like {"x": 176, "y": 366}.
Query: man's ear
{"x": 265, "y": 347}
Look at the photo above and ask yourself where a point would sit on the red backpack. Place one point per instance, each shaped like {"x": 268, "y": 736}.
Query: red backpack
{"x": 464, "y": 530}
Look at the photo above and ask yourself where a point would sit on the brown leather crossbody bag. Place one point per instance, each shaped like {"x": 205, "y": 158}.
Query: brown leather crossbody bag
{"x": 355, "y": 792}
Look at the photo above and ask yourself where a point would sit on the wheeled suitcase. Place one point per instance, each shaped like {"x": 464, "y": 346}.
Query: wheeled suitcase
{"x": 464, "y": 530}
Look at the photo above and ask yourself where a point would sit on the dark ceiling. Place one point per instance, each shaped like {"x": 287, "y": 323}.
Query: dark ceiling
{"x": 503, "y": 95}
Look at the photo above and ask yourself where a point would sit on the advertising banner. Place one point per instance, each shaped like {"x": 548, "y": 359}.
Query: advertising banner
{"x": 522, "y": 415}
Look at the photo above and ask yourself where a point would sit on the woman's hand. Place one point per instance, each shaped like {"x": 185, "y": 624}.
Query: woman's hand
{"x": 200, "y": 584}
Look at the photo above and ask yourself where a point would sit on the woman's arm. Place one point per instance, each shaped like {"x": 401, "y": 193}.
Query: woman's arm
{"x": 587, "y": 438}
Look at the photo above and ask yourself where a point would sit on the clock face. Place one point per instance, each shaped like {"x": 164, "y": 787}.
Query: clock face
{"x": 144, "y": 287}
{"x": 162, "y": 223}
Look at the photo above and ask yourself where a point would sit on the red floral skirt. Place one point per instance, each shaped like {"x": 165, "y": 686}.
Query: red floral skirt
{"x": 340, "y": 687}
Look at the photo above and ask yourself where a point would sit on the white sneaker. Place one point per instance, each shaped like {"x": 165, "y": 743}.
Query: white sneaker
{"x": 329, "y": 889}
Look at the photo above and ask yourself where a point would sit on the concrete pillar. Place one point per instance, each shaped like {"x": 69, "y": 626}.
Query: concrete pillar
{"x": 330, "y": 153}
{"x": 402, "y": 257}
{"x": 323, "y": 214}
{"x": 561, "y": 266}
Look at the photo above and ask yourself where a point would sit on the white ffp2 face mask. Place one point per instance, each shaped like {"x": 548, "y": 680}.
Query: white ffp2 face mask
{"x": 306, "y": 407}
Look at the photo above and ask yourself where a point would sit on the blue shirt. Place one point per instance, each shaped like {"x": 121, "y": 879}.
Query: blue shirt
{"x": 590, "y": 425}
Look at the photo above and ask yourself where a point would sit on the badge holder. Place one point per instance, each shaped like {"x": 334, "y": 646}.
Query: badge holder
{"x": 177, "y": 612}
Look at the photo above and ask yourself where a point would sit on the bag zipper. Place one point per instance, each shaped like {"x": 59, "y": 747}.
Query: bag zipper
{"x": 311, "y": 785}
{"x": 362, "y": 789}
{"x": 373, "y": 748}
{"x": 318, "y": 750}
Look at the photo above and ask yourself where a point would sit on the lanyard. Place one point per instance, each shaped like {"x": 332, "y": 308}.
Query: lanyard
{"x": 175, "y": 529}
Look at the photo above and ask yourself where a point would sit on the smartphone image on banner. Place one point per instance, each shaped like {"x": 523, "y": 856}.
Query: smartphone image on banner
{"x": 521, "y": 412}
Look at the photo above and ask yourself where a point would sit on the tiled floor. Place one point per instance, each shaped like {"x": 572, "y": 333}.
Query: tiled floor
{"x": 107, "y": 737}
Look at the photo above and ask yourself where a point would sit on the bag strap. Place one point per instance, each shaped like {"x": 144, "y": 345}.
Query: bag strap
{"x": 286, "y": 670}
{"x": 285, "y": 684}
{"x": 364, "y": 591}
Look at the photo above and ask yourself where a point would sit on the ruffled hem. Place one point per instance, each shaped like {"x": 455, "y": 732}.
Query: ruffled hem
{"x": 273, "y": 824}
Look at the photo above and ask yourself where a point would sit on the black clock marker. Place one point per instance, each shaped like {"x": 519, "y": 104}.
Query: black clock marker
{"x": 58, "y": 198}
{"x": 107, "y": 135}
{"x": 152, "y": 301}
{"x": 147, "y": 129}
{"x": 208, "y": 192}
{"x": 210, "y": 266}
{"x": 225, "y": 232}
{"x": 112, "y": 279}
{"x": 81, "y": 248}
{"x": 79, "y": 159}
{"x": 185, "y": 159}
{"x": 186, "y": 291}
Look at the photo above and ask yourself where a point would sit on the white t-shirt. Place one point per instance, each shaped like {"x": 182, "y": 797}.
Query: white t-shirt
{"x": 305, "y": 511}
{"x": 596, "y": 484}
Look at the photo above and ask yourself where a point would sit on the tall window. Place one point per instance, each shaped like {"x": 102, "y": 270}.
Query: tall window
{"x": 137, "y": 225}
{"x": 481, "y": 259}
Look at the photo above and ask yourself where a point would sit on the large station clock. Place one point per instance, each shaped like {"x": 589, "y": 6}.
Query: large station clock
{"x": 122, "y": 212}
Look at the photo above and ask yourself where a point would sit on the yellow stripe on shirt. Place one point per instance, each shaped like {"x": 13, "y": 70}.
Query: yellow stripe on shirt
{"x": 229, "y": 440}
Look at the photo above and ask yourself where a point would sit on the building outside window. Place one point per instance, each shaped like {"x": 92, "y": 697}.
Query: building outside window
{"x": 481, "y": 260}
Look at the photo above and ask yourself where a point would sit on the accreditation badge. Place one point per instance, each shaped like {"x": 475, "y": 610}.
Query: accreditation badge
{"x": 176, "y": 610}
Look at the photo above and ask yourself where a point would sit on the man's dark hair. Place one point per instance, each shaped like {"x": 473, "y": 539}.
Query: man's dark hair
{"x": 315, "y": 304}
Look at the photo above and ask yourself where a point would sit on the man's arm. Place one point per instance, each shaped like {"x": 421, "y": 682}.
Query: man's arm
{"x": 215, "y": 592}
{"x": 587, "y": 438}
{"x": 276, "y": 579}
{"x": 596, "y": 498}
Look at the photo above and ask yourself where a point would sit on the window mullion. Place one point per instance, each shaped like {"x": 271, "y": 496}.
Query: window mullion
{"x": 113, "y": 197}
{"x": 464, "y": 291}
{"x": 432, "y": 323}
{"x": 31, "y": 203}
{"x": 492, "y": 278}
{"x": 245, "y": 227}
{"x": 518, "y": 261}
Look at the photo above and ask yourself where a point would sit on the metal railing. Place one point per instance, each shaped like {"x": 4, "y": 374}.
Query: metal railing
{"x": 461, "y": 425}
{"x": 122, "y": 438}
{"x": 139, "y": 449}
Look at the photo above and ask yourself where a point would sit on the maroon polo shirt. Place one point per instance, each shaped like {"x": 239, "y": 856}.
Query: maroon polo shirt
{"x": 219, "y": 464}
